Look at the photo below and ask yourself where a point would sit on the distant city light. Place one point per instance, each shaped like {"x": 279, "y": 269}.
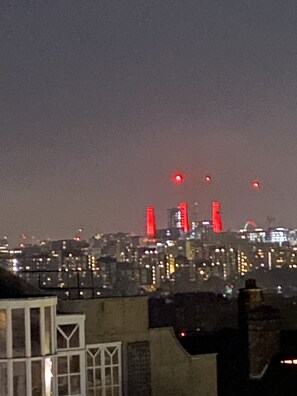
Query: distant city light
{"x": 256, "y": 185}
{"x": 178, "y": 178}
{"x": 289, "y": 361}
{"x": 208, "y": 178}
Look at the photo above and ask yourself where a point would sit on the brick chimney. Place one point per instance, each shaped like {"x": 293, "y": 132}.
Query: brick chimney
{"x": 259, "y": 326}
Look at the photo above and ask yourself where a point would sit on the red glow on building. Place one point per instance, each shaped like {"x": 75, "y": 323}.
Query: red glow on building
{"x": 178, "y": 178}
{"x": 216, "y": 217}
{"x": 150, "y": 222}
{"x": 184, "y": 218}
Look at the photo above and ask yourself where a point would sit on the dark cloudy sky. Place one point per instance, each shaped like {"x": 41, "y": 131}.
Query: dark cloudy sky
{"x": 102, "y": 100}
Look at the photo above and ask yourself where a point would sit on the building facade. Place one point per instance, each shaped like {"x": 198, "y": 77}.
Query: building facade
{"x": 153, "y": 362}
{"x": 96, "y": 347}
{"x": 27, "y": 346}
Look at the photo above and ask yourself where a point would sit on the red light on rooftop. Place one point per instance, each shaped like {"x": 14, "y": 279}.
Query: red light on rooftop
{"x": 208, "y": 178}
{"x": 183, "y": 334}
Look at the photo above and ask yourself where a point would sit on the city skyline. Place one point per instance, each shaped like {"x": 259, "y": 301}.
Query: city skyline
{"x": 182, "y": 222}
{"x": 102, "y": 104}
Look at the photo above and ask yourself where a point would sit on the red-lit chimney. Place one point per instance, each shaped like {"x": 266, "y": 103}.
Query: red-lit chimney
{"x": 184, "y": 219}
{"x": 216, "y": 217}
{"x": 150, "y": 222}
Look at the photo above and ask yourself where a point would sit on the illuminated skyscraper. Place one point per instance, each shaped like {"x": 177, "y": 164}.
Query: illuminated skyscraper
{"x": 216, "y": 217}
{"x": 150, "y": 222}
{"x": 184, "y": 218}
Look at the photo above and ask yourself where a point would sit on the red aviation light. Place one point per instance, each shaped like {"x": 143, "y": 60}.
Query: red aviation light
{"x": 178, "y": 178}
{"x": 184, "y": 218}
{"x": 208, "y": 178}
{"x": 150, "y": 222}
{"x": 256, "y": 185}
{"x": 216, "y": 217}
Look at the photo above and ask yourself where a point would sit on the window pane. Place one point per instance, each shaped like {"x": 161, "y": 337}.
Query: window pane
{"x": 75, "y": 384}
{"x": 115, "y": 375}
{"x": 108, "y": 375}
{"x": 62, "y": 365}
{"x": 68, "y": 332}
{"x": 18, "y": 332}
{"x": 89, "y": 360}
{"x": 116, "y": 391}
{"x": 98, "y": 377}
{"x": 108, "y": 392}
{"x": 93, "y": 353}
{"x": 74, "y": 364}
{"x": 19, "y": 378}
{"x": 36, "y": 378}
{"x": 115, "y": 357}
{"x": 97, "y": 359}
{"x": 63, "y": 386}
{"x": 67, "y": 329}
{"x": 74, "y": 340}
{"x": 112, "y": 350}
{"x": 35, "y": 331}
{"x": 3, "y": 378}
{"x": 107, "y": 357}
{"x": 48, "y": 330}
{"x": 61, "y": 340}
{"x": 3, "y": 319}
{"x": 90, "y": 377}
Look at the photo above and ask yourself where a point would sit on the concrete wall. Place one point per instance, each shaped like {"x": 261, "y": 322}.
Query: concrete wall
{"x": 173, "y": 371}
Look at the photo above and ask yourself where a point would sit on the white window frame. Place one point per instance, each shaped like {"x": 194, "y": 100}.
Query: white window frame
{"x": 79, "y": 322}
{"x": 68, "y": 375}
{"x": 26, "y": 304}
{"x": 102, "y": 347}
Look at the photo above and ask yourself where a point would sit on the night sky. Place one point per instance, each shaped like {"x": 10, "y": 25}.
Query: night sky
{"x": 101, "y": 101}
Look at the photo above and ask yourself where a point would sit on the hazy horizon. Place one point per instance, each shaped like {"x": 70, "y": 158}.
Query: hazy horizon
{"x": 103, "y": 101}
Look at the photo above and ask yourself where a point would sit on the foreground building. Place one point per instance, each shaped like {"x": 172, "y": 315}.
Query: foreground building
{"x": 153, "y": 361}
{"x": 27, "y": 339}
{"x": 92, "y": 347}
{"x": 27, "y": 346}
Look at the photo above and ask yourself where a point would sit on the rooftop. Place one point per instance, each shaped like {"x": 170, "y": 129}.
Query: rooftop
{"x": 14, "y": 287}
